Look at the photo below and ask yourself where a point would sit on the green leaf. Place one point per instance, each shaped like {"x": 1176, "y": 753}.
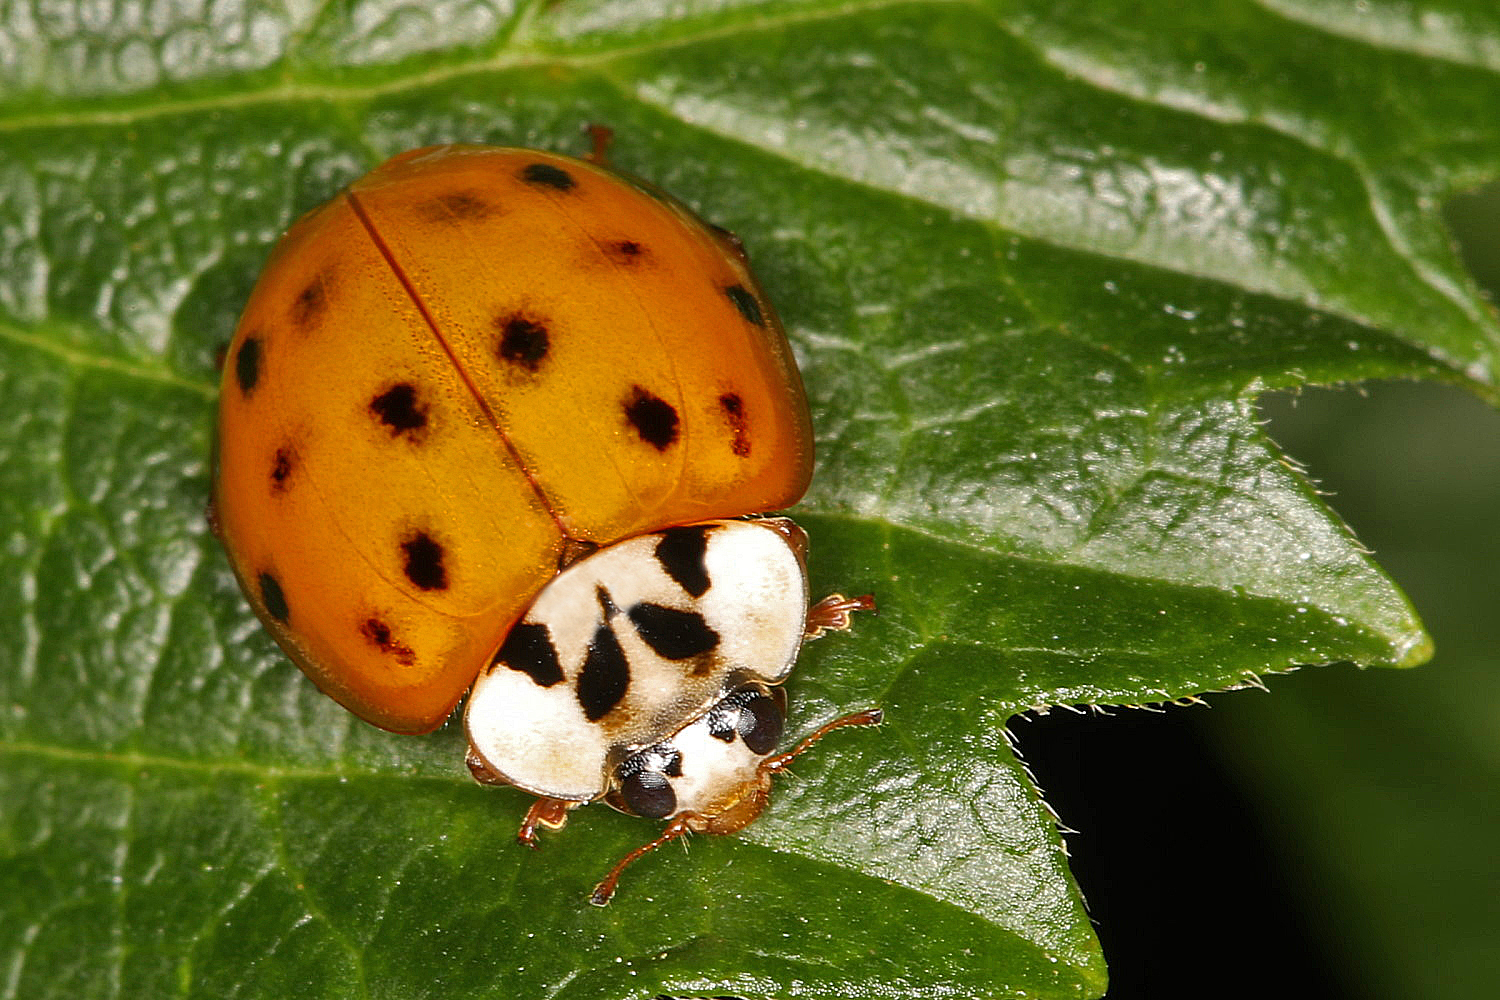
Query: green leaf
{"x": 1380, "y": 793}
{"x": 1037, "y": 261}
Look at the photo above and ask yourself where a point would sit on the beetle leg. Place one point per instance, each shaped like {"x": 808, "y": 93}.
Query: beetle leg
{"x": 551, "y": 813}
{"x": 605, "y": 890}
{"x": 481, "y": 771}
{"x": 832, "y": 613}
{"x": 601, "y": 136}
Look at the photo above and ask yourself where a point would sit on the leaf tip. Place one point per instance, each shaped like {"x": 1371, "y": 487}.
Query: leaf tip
{"x": 1416, "y": 650}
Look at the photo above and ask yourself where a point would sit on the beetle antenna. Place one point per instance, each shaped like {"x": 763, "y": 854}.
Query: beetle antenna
{"x": 605, "y": 890}
{"x": 869, "y": 717}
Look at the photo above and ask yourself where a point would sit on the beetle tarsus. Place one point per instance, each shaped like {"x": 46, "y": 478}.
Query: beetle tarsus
{"x": 832, "y": 613}
{"x": 551, "y": 813}
{"x": 605, "y": 890}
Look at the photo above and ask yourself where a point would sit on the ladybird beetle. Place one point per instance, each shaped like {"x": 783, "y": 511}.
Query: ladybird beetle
{"x": 504, "y": 419}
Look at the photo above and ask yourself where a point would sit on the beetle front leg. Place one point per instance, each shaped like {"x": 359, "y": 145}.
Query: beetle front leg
{"x": 551, "y": 813}
{"x": 831, "y": 614}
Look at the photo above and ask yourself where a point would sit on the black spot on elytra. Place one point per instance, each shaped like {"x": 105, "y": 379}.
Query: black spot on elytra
{"x": 247, "y": 364}
{"x": 529, "y": 649}
{"x": 733, "y": 408}
{"x": 311, "y": 302}
{"x": 274, "y": 600}
{"x": 457, "y": 205}
{"x": 653, "y": 418}
{"x": 627, "y": 252}
{"x": 379, "y": 634}
{"x": 605, "y": 675}
{"x": 681, "y": 552}
{"x": 523, "y": 341}
{"x": 399, "y": 409}
{"x": 673, "y": 634}
{"x": 546, "y": 175}
{"x": 424, "y": 562}
{"x": 282, "y": 467}
{"x": 746, "y": 304}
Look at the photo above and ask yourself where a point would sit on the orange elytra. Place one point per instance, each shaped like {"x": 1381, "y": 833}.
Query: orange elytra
{"x": 466, "y": 369}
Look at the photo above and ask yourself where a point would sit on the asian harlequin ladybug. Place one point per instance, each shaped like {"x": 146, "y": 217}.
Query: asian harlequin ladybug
{"x": 493, "y": 413}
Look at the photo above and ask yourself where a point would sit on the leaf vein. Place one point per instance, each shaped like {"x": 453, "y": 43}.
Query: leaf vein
{"x": 276, "y": 821}
{"x": 79, "y": 359}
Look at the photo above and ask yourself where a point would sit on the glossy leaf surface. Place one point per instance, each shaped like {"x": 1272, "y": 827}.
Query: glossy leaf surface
{"x": 1037, "y": 260}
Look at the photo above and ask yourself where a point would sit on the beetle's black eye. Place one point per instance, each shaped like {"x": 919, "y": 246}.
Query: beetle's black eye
{"x": 760, "y": 724}
{"x": 649, "y": 794}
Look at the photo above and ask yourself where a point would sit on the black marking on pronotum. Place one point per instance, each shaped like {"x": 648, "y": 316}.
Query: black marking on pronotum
{"x": 282, "y": 466}
{"x": 247, "y": 364}
{"x": 455, "y": 205}
{"x": 274, "y": 600}
{"x": 310, "y": 303}
{"x": 546, "y": 175}
{"x": 379, "y": 634}
{"x": 399, "y": 409}
{"x": 529, "y": 649}
{"x": 524, "y": 341}
{"x": 424, "y": 562}
{"x": 681, "y": 552}
{"x": 673, "y": 634}
{"x": 607, "y": 605}
{"x": 605, "y": 675}
{"x": 746, "y": 304}
{"x": 653, "y": 418}
{"x": 734, "y": 413}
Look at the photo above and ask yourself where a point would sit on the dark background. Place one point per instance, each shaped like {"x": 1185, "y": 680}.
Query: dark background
{"x": 1340, "y": 836}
